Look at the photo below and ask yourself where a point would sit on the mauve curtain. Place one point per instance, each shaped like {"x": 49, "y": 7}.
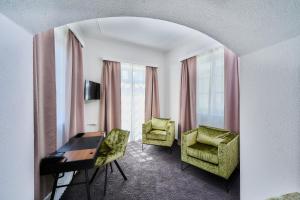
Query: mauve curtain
{"x": 188, "y": 84}
{"x": 110, "y": 100}
{"x": 151, "y": 94}
{"x": 74, "y": 89}
{"x": 44, "y": 106}
{"x": 232, "y": 91}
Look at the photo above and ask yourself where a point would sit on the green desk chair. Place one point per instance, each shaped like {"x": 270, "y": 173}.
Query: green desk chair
{"x": 112, "y": 148}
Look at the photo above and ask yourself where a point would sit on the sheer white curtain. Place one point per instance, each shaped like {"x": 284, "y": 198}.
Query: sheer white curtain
{"x": 210, "y": 88}
{"x": 133, "y": 99}
{"x": 61, "y": 48}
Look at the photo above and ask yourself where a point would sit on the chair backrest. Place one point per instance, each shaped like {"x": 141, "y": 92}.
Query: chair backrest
{"x": 117, "y": 139}
{"x": 160, "y": 123}
{"x": 211, "y": 135}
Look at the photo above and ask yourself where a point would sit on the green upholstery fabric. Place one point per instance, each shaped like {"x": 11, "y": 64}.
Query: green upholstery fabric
{"x": 159, "y": 123}
{"x": 113, "y": 147}
{"x": 154, "y": 136}
{"x": 211, "y": 136}
{"x": 290, "y": 196}
{"x": 222, "y": 163}
{"x": 204, "y": 152}
{"x": 157, "y": 135}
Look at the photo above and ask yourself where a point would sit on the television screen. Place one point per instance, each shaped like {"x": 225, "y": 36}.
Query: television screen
{"x": 91, "y": 90}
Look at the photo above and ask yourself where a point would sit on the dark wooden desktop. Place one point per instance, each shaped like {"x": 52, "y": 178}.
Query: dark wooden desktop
{"x": 80, "y": 154}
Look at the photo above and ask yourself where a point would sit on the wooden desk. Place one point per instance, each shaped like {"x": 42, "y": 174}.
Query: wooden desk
{"x": 80, "y": 154}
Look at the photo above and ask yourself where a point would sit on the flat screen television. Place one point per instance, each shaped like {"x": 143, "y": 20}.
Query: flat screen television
{"x": 91, "y": 90}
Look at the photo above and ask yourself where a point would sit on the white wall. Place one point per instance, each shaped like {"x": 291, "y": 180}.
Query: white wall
{"x": 96, "y": 50}
{"x": 173, "y": 63}
{"x": 16, "y": 112}
{"x": 270, "y": 121}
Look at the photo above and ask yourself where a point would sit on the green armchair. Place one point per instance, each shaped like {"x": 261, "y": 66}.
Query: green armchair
{"x": 158, "y": 131}
{"x": 112, "y": 148}
{"x": 211, "y": 149}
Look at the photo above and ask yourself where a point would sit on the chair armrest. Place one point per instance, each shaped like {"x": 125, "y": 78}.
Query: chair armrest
{"x": 189, "y": 137}
{"x": 228, "y": 152}
{"x": 171, "y": 128}
{"x": 147, "y": 127}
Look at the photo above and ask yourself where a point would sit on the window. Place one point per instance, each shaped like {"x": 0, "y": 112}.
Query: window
{"x": 133, "y": 99}
{"x": 210, "y": 88}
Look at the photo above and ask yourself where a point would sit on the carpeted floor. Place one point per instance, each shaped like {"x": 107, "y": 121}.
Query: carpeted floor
{"x": 155, "y": 174}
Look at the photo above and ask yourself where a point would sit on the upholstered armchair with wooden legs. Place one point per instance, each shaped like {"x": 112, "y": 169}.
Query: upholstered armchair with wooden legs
{"x": 112, "y": 148}
{"x": 159, "y": 131}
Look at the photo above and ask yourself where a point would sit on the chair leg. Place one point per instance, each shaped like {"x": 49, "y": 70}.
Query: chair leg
{"x": 94, "y": 175}
{"x": 105, "y": 180}
{"x": 171, "y": 148}
{"x": 184, "y": 167}
{"x": 111, "y": 168}
{"x": 230, "y": 181}
{"x": 227, "y": 186}
{"x": 119, "y": 168}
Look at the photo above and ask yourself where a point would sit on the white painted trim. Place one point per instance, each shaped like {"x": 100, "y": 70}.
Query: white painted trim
{"x": 76, "y": 34}
{"x": 201, "y": 51}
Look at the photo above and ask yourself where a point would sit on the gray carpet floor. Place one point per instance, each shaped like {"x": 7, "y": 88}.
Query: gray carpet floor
{"x": 155, "y": 174}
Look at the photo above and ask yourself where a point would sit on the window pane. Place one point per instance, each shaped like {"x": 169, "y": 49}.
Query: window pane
{"x": 126, "y": 93}
{"x": 132, "y": 99}
{"x": 210, "y": 88}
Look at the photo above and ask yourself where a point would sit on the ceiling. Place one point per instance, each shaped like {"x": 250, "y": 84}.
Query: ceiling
{"x": 157, "y": 34}
{"x": 242, "y": 25}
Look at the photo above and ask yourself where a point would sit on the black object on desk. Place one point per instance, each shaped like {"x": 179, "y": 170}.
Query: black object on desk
{"x": 79, "y": 153}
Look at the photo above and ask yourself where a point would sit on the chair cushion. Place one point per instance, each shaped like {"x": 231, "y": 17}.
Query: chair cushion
{"x": 157, "y": 135}
{"x": 204, "y": 152}
{"x": 211, "y": 136}
{"x": 159, "y": 123}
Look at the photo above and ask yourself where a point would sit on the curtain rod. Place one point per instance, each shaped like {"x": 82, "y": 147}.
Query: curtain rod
{"x": 122, "y": 61}
{"x": 201, "y": 51}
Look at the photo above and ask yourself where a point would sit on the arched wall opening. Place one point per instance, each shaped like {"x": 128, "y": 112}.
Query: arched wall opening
{"x": 141, "y": 41}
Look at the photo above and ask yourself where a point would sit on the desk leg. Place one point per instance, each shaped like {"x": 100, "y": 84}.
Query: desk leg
{"x": 87, "y": 184}
{"x": 54, "y": 186}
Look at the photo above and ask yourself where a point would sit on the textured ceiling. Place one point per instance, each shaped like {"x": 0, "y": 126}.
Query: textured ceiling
{"x": 158, "y": 34}
{"x": 242, "y": 25}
